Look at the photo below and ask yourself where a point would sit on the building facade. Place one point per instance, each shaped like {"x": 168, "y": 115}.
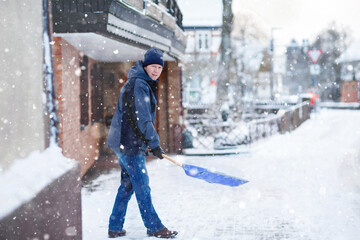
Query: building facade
{"x": 40, "y": 189}
{"x": 200, "y": 63}
{"x": 95, "y": 44}
{"x": 64, "y": 63}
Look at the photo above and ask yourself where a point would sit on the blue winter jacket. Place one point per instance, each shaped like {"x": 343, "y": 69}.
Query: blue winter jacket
{"x": 132, "y": 127}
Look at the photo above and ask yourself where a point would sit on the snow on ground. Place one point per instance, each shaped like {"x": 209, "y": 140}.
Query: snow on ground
{"x": 303, "y": 185}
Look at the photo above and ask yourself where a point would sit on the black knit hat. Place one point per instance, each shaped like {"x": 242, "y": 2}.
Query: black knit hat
{"x": 153, "y": 56}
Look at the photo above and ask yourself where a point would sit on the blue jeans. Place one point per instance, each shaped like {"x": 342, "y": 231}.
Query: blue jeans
{"x": 134, "y": 178}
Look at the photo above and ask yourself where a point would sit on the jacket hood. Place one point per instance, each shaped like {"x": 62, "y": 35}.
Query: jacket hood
{"x": 138, "y": 71}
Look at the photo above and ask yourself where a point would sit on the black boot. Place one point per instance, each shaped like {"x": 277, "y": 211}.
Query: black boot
{"x": 116, "y": 234}
{"x": 164, "y": 233}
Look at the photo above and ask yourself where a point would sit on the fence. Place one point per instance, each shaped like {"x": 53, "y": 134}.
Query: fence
{"x": 211, "y": 134}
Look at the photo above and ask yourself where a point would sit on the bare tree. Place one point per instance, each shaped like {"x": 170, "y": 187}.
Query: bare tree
{"x": 247, "y": 28}
{"x": 248, "y": 40}
{"x": 225, "y": 53}
{"x": 247, "y": 31}
{"x": 333, "y": 41}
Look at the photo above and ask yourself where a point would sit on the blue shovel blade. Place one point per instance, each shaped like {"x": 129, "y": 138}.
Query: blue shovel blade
{"x": 212, "y": 177}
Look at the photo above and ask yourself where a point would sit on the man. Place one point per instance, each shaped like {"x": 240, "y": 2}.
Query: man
{"x": 131, "y": 132}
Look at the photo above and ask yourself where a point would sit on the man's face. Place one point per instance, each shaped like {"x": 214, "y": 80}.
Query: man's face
{"x": 154, "y": 71}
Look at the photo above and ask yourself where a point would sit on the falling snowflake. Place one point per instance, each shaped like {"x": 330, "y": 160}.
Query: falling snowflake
{"x": 78, "y": 72}
{"x": 193, "y": 172}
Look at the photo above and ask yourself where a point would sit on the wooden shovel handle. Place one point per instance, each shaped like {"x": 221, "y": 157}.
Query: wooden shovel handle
{"x": 172, "y": 160}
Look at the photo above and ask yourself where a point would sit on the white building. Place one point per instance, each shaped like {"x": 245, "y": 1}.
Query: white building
{"x": 203, "y": 33}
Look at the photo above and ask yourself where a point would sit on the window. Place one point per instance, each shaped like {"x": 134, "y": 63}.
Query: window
{"x": 84, "y": 93}
{"x": 200, "y": 42}
{"x": 203, "y": 39}
{"x": 206, "y": 42}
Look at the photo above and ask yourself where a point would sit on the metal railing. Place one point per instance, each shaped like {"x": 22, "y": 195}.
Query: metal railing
{"x": 174, "y": 11}
{"x": 210, "y": 133}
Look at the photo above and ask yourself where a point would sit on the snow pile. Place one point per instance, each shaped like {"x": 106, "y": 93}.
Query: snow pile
{"x": 237, "y": 136}
{"x": 27, "y": 177}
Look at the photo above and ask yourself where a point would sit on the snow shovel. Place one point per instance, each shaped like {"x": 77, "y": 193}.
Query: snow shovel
{"x": 204, "y": 174}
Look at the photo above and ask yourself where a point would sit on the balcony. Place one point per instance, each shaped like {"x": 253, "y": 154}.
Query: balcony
{"x": 100, "y": 28}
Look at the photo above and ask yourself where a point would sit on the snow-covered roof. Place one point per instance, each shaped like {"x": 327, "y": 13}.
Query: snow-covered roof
{"x": 351, "y": 54}
{"x": 201, "y": 12}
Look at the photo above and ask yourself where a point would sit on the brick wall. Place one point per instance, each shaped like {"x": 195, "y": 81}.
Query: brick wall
{"x": 349, "y": 91}
{"x": 162, "y": 119}
{"x": 77, "y": 142}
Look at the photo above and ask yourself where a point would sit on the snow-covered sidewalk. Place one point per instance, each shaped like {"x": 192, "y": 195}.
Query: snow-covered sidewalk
{"x": 303, "y": 185}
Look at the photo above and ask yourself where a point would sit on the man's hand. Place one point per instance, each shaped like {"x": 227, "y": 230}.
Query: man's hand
{"x": 157, "y": 152}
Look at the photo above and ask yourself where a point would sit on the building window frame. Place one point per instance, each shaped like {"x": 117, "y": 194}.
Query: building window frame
{"x": 203, "y": 41}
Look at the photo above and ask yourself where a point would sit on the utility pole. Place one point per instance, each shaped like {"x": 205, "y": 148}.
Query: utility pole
{"x": 271, "y": 67}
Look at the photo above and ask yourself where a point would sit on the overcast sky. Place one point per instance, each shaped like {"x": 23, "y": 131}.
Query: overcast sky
{"x": 303, "y": 19}
{"x": 299, "y": 19}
